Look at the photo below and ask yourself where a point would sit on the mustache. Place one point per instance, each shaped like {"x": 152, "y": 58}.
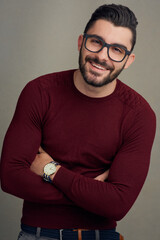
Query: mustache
{"x": 97, "y": 61}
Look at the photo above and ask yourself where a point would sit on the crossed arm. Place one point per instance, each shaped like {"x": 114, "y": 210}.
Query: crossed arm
{"x": 111, "y": 199}
{"x": 42, "y": 158}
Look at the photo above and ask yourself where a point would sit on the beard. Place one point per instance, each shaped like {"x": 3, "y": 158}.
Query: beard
{"x": 93, "y": 79}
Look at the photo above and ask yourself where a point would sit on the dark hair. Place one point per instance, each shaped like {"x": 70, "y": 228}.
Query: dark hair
{"x": 118, "y": 15}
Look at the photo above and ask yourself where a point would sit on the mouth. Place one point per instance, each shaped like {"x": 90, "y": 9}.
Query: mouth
{"x": 98, "y": 67}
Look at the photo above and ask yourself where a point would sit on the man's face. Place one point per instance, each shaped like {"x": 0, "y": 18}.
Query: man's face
{"x": 98, "y": 69}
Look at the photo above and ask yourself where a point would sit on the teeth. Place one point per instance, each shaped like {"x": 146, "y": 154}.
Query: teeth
{"x": 97, "y": 66}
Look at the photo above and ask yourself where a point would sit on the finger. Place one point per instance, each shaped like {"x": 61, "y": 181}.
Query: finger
{"x": 41, "y": 150}
{"x": 102, "y": 177}
{"x": 107, "y": 173}
{"x": 99, "y": 177}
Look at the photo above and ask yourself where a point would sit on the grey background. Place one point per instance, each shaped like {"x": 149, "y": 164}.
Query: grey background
{"x": 40, "y": 36}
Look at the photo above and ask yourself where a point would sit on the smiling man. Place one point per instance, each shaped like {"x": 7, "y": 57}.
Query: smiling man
{"x": 95, "y": 133}
{"x": 100, "y": 66}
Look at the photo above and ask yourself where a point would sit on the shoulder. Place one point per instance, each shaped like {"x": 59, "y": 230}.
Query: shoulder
{"x": 44, "y": 90}
{"x": 139, "y": 120}
{"x": 137, "y": 111}
{"x": 131, "y": 98}
{"x": 52, "y": 80}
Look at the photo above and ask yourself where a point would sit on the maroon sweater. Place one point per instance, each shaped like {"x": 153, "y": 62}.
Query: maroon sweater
{"x": 86, "y": 136}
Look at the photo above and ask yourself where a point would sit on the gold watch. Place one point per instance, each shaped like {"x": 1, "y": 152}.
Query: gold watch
{"x": 49, "y": 169}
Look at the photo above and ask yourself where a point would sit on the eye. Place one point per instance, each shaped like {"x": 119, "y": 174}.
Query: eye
{"x": 117, "y": 50}
{"x": 95, "y": 41}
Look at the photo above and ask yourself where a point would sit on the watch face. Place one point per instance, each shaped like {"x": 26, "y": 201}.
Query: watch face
{"x": 49, "y": 169}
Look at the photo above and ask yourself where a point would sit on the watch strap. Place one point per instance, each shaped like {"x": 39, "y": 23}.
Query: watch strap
{"x": 47, "y": 178}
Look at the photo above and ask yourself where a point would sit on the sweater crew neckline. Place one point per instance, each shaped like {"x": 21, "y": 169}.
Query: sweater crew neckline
{"x": 94, "y": 99}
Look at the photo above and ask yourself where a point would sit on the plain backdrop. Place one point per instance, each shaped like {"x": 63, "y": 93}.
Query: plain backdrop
{"x": 40, "y": 36}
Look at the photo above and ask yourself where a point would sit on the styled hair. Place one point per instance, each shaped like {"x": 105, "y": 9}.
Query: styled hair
{"x": 116, "y": 14}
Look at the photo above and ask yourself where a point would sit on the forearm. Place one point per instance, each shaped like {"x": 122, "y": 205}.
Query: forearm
{"x": 17, "y": 178}
{"x": 22, "y": 183}
{"x": 102, "y": 198}
{"x": 113, "y": 198}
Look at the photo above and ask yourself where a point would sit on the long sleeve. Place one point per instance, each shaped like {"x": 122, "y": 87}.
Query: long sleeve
{"x": 86, "y": 136}
{"x": 114, "y": 198}
{"x": 22, "y": 140}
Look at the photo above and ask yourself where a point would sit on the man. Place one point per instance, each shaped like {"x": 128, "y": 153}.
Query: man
{"x": 95, "y": 134}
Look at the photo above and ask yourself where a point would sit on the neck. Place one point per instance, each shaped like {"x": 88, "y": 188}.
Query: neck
{"x": 91, "y": 91}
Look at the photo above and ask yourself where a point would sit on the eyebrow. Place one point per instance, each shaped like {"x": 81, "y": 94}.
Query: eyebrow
{"x": 117, "y": 44}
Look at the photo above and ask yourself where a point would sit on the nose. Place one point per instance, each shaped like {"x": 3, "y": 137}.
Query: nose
{"x": 103, "y": 54}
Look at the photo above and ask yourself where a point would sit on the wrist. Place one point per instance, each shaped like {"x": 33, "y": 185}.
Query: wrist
{"x": 49, "y": 170}
{"x": 54, "y": 174}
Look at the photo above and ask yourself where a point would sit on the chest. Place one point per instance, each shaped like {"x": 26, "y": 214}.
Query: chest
{"x": 80, "y": 134}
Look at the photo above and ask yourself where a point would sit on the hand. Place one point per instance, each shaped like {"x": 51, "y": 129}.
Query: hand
{"x": 40, "y": 161}
{"x": 102, "y": 177}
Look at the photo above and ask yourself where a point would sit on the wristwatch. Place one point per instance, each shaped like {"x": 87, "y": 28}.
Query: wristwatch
{"x": 49, "y": 169}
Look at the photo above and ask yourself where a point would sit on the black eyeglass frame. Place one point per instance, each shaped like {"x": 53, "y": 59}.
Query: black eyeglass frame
{"x": 86, "y": 36}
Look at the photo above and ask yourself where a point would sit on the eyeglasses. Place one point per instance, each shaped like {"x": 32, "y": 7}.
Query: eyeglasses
{"x": 95, "y": 44}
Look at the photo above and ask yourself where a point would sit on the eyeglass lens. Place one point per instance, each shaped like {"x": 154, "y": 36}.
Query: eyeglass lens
{"x": 94, "y": 44}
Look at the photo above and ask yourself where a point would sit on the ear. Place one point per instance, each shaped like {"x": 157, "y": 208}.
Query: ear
{"x": 130, "y": 60}
{"x": 80, "y": 41}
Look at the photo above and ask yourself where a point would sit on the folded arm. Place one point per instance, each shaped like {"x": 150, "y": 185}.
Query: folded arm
{"x": 113, "y": 198}
{"x": 20, "y": 147}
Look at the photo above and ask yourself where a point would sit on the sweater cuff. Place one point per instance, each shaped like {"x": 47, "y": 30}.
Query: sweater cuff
{"x": 63, "y": 179}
